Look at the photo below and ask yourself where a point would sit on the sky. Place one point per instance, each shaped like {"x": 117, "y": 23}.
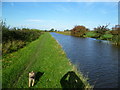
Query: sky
{"x": 60, "y": 0}
{"x": 59, "y": 15}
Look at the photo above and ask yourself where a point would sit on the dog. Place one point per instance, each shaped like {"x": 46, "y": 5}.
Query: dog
{"x": 31, "y": 78}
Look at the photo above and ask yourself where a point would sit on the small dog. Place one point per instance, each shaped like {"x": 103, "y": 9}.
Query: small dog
{"x": 31, "y": 78}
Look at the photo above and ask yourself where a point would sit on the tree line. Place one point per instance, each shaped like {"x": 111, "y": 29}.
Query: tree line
{"x": 15, "y": 38}
{"x": 100, "y": 32}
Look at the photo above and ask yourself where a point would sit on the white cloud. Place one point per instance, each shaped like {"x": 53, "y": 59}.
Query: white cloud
{"x": 60, "y": 0}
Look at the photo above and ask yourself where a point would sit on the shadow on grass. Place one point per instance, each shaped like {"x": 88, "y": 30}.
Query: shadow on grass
{"x": 71, "y": 80}
{"x": 38, "y": 76}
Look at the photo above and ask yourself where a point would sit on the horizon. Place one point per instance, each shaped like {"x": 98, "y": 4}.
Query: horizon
{"x": 60, "y": 15}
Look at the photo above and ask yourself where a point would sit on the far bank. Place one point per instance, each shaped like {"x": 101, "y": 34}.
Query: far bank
{"x": 113, "y": 38}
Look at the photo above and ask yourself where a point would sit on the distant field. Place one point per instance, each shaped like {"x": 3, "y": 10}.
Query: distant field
{"x": 44, "y": 56}
{"x": 65, "y": 33}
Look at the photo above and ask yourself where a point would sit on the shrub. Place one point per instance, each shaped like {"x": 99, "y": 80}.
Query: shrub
{"x": 106, "y": 36}
{"x": 79, "y": 31}
{"x": 116, "y": 39}
{"x": 101, "y": 30}
{"x": 14, "y": 39}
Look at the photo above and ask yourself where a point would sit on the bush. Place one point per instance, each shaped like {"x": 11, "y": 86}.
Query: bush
{"x": 79, "y": 31}
{"x": 116, "y": 39}
{"x": 14, "y": 39}
{"x": 106, "y": 37}
{"x": 101, "y": 30}
{"x": 11, "y": 46}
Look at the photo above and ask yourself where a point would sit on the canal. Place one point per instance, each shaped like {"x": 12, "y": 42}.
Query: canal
{"x": 96, "y": 59}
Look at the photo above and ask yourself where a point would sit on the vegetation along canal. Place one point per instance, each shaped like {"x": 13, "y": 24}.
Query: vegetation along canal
{"x": 96, "y": 59}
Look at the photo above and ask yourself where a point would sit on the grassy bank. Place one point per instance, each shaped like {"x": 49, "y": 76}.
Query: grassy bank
{"x": 100, "y": 32}
{"x": 115, "y": 38}
{"x": 64, "y": 33}
{"x": 46, "y": 57}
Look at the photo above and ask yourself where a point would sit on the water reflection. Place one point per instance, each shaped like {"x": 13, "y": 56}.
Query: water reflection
{"x": 95, "y": 58}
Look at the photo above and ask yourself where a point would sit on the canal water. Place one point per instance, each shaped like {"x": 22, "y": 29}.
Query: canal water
{"x": 96, "y": 59}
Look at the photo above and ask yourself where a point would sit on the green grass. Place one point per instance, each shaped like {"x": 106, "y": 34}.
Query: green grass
{"x": 91, "y": 34}
{"x": 65, "y": 33}
{"x": 106, "y": 36}
{"x": 43, "y": 55}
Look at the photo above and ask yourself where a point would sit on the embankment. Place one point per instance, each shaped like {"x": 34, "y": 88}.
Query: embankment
{"x": 45, "y": 57}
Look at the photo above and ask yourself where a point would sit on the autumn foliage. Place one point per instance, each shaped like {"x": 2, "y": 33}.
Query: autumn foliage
{"x": 115, "y": 30}
{"x": 79, "y": 31}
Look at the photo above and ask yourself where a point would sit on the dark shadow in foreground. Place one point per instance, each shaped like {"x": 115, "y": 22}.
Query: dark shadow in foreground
{"x": 38, "y": 76}
{"x": 71, "y": 80}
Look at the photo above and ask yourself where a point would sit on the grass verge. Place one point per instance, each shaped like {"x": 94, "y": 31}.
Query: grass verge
{"x": 64, "y": 33}
{"x": 44, "y": 56}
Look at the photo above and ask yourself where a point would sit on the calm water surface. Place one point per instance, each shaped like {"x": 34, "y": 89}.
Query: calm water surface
{"x": 96, "y": 59}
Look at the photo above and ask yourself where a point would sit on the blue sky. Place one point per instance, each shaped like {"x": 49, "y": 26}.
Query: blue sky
{"x": 59, "y": 15}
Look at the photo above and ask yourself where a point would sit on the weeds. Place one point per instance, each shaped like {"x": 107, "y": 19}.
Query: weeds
{"x": 13, "y": 39}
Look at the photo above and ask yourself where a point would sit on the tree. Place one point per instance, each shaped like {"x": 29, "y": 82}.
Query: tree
{"x": 116, "y": 34}
{"x": 52, "y": 30}
{"x": 79, "y": 31}
{"x": 55, "y": 30}
{"x": 101, "y": 30}
{"x": 45, "y": 30}
{"x": 115, "y": 30}
{"x": 66, "y": 30}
